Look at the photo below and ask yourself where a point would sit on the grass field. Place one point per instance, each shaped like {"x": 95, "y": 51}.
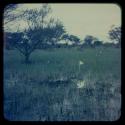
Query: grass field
{"x": 31, "y": 93}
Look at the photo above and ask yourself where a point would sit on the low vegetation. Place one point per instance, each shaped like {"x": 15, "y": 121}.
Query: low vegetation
{"x": 47, "y": 88}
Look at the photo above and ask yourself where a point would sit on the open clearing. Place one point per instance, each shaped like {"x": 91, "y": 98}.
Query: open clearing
{"x": 32, "y": 92}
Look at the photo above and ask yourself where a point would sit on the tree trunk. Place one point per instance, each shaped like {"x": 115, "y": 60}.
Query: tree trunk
{"x": 27, "y": 58}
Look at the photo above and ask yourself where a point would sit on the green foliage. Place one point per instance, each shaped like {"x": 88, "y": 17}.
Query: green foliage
{"x": 74, "y": 39}
{"x": 115, "y": 35}
{"x": 38, "y": 33}
{"x": 89, "y": 40}
{"x": 97, "y": 43}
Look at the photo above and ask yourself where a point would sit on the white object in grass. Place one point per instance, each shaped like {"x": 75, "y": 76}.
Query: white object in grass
{"x": 80, "y": 63}
{"x": 81, "y": 84}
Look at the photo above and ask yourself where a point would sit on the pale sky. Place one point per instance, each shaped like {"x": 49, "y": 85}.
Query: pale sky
{"x": 85, "y": 19}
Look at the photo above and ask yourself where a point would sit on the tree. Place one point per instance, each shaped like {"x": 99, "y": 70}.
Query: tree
{"x": 74, "y": 39}
{"x": 10, "y": 15}
{"x": 54, "y": 32}
{"x": 39, "y": 31}
{"x": 97, "y": 43}
{"x": 115, "y": 35}
{"x": 109, "y": 44}
{"x": 11, "y": 38}
{"x": 89, "y": 40}
{"x": 8, "y": 11}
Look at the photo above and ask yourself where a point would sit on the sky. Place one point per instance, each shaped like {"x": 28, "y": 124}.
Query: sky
{"x": 85, "y": 19}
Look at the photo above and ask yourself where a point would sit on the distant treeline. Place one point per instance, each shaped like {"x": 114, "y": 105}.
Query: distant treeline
{"x": 11, "y": 38}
